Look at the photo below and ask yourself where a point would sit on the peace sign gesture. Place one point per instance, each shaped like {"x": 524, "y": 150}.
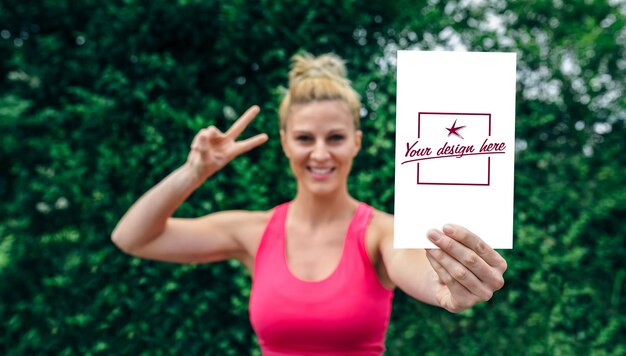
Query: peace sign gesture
{"x": 212, "y": 149}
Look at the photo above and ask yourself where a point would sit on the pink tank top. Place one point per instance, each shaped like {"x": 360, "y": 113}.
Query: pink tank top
{"x": 346, "y": 313}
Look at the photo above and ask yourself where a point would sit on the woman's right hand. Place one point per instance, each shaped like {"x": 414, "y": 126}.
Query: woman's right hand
{"x": 212, "y": 149}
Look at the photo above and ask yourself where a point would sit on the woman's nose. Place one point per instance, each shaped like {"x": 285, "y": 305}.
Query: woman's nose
{"x": 320, "y": 152}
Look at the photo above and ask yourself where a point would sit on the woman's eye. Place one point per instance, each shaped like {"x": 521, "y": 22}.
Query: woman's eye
{"x": 303, "y": 138}
{"x": 336, "y": 137}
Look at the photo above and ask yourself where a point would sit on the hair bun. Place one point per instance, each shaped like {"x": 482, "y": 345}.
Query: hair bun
{"x": 327, "y": 65}
{"x": 319, "y": 78}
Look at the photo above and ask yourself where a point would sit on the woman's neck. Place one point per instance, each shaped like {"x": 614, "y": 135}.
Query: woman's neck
{"x": 313, "y": 209}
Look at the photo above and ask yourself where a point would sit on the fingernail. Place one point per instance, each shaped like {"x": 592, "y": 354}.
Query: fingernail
{"x": 434, "y": 236}
{"x": 448, "y": 229}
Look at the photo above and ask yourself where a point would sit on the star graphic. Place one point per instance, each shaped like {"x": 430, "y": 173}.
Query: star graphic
{"x": 453, "y": 130}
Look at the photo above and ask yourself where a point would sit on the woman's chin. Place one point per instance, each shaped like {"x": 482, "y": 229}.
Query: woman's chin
{"x": 321, "y": 188}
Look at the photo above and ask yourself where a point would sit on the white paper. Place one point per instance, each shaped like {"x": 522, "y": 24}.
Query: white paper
{"x": 455, "y": 145}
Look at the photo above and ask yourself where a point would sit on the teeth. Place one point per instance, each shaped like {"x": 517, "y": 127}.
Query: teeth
{"x": 321, "y": 170}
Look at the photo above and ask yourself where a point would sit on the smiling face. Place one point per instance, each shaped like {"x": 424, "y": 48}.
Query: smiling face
{"x": 320, "y": 140}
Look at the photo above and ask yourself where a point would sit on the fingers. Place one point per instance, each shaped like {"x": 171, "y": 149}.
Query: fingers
{"x": 211, "y": 149}
{"x": 242, "y": 122}
{"x": 462, "y": 262}
{"x": 248, "y": 144}
{"x": 453, "y": 273}
{"x": 204, "y": 136}
{"x": 201, "y": 141}
{"x": 477, "y": 245}
{"x": 444, "y": 277}
{"x": 462, "y": 299}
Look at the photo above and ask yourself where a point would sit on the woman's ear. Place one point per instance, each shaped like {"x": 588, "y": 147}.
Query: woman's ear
{"x": 283, "y": 142}
{"x": 357, "y": 142}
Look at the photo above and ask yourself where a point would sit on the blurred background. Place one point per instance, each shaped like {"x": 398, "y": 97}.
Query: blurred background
{"x": 99, "y": 100}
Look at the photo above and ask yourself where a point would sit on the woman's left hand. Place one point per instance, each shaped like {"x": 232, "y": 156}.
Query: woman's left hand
{"x": 469, "y": 270}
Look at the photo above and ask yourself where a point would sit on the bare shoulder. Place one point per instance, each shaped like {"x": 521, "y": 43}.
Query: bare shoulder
{"x": 381, "y": 225}
{"x": 380, "y": 232}
{"x": 379, "y": 235}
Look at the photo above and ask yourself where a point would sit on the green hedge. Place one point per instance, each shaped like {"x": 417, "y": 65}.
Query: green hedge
{"x": 100, "y": 101}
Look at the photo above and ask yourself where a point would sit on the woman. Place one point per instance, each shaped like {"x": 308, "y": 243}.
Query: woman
{"x": 323, "y": 265}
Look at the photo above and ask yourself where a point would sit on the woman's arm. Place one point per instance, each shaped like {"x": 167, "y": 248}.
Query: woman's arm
{"x": 409, "y": 270}
{"x": 148, "y": 230}
{"x": 463, "y": 272}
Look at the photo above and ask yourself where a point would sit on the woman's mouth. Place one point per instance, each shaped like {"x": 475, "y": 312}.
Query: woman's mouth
{"x": 321, "y": 172}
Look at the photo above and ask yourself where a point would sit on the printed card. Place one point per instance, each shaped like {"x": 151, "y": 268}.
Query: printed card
{"x": 455, "y": 145}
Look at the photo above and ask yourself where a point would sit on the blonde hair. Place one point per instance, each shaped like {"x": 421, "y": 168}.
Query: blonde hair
{"x": 316, "y": 79}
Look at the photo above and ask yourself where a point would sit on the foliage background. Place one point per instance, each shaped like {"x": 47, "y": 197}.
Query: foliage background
{"x": 99, "y": 101}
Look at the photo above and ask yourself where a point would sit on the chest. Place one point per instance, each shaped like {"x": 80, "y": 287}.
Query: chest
{"x": 313, "y": 254}
{"x": 315, "y": 290}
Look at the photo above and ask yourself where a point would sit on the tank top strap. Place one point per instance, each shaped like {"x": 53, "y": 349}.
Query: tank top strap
{"x": 271, "y": 245}
{"x": 359, "y": 224}
{"x": 356, "y": 237}
{"x": 275, "y": 227}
